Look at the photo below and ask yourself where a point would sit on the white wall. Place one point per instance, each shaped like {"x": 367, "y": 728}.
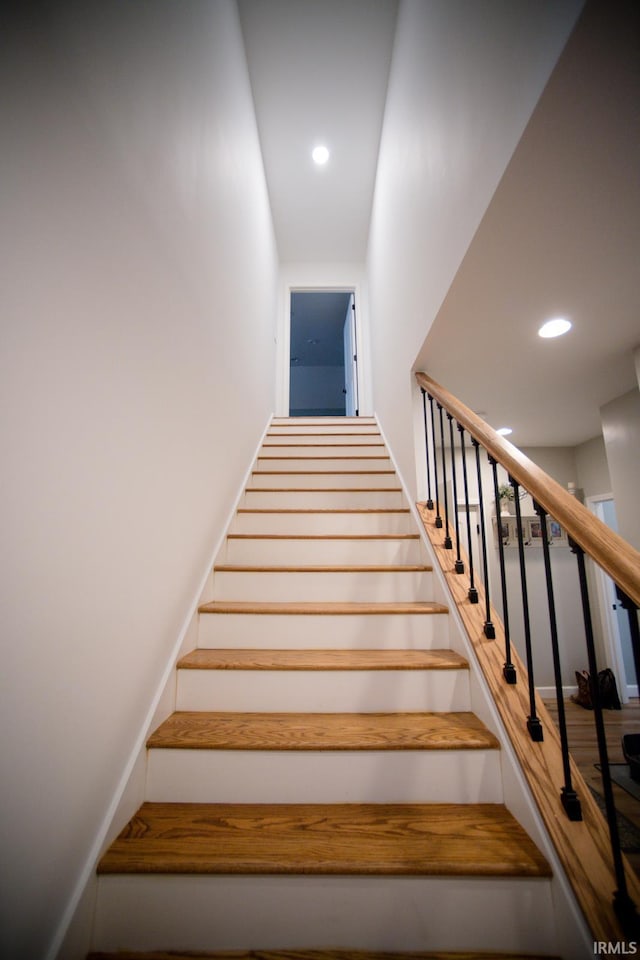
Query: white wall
{"x": 621, "y": 432}
{"x": 558, "y": 462}
{"x": 139, "y": 282}
{"x": 592, "y": 468}
{"x": 459, "y": 98}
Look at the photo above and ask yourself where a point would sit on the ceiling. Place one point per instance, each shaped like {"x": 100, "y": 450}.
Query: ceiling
{"x": 561, "y": 234}
{"x": 319, "y": 71}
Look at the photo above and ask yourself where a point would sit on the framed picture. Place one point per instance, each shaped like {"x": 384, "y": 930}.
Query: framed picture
{"x": 533, "y": 533}
{"x": 505, "y": 527}
{"x": 556, "y": 533}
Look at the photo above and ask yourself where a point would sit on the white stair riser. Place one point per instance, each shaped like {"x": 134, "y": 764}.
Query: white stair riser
{"x": 323, "y": 463}
{"x": 299, "y": 439}
{"x": 356, "y": 587}
{"x": 310, "y": 776}
{"x": 324, "y": 423}
{"x": 304, "y": 551}
{"x": 323, "y": 499}
{"x": 291, "y": 632}
{"x": 323, "y": 691}
{"x": 322, "y": 522}
{"x": 322, "y": 481}
{"x": 273, "y": 448}
{"x": 285, "y": 912}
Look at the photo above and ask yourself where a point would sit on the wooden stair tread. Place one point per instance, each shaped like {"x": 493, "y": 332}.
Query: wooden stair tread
{"x": 346, "y": 839}
{"x": 324, "y": 536}
{"x": 341, "y": 419}
{"x": 325, "y": 510}
{"x": 312, "y": 446}
{"x": 323, "y": 490}
{"x": 321, "y": 473}
{"x": 323, "y": 568}
{"x": 327, "y": 456}
{"x": 313, "y": 955}
{"x": 247, "y": 659}
{"x": 211, "y": 730}
{"x": 323, "y": 608}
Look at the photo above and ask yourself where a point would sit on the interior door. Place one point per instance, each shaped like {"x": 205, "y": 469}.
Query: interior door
{"x": 351, "y": 360}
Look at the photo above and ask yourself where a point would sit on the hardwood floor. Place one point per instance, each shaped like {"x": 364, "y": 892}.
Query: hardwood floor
{"x": 584, "y": 749}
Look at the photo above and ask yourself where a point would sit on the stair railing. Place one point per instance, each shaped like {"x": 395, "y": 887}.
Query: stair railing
{"x": 587, "y": 536}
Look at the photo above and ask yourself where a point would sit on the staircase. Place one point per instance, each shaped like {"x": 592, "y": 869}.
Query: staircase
{"x": 323, "y": 784}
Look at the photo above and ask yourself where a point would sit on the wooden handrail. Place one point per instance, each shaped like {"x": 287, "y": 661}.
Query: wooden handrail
{"x": 609, "y": 550}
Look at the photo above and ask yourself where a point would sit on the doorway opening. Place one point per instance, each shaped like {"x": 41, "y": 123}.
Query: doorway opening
{"x": 615, "y": 620}
{"x": 323, "y": 362}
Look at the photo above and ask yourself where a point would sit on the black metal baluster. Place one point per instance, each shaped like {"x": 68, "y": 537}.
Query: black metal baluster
{"x": 438, "y": 520}
{"x": 489, "y": 629}
{"x": 509, "y": 671}
{"x": 473, "y": 593}
{"x": 426, "y": 446}
{"x": 568, "y": 796}
{"x": 448, "y": 545}
{"x": 533, "y": 722}
{"x": 459, "y": 565}
{"x": 623, "y": 904}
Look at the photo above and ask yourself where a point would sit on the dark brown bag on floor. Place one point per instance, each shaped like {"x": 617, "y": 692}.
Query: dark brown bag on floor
{"x": 583, "y": 696}
{"x": 608, "y": 690}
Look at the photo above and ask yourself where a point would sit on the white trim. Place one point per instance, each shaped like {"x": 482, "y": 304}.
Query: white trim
{"x": 315, "y": 288}
{"x": 343, "y": 277}
{"x": 610, "y": 634}
{"x": 549, "y": 693}
{"x": 139, "y": 747}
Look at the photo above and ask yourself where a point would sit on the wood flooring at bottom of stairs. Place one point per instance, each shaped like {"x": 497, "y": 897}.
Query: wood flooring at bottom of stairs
{"x": 583, "y": 745}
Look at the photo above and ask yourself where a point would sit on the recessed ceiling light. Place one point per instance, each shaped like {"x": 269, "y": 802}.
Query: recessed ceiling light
{"x": 504, "y": 431}
{"x": 320, "y": 155}
{"x": 554, "y": 328}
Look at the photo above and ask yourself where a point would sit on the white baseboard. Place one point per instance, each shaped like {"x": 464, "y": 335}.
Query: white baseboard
{"x": 549, "y": 693}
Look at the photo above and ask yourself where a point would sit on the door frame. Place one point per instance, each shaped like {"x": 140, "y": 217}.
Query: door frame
{"x": 608, "y": 622}
{"x": 283, "y": 380}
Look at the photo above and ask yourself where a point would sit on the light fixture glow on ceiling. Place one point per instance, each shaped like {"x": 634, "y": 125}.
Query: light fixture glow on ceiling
{"x": 554, "y": 328}
{"x": 320, "y": 155}
{"x": 504, "y": 431}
